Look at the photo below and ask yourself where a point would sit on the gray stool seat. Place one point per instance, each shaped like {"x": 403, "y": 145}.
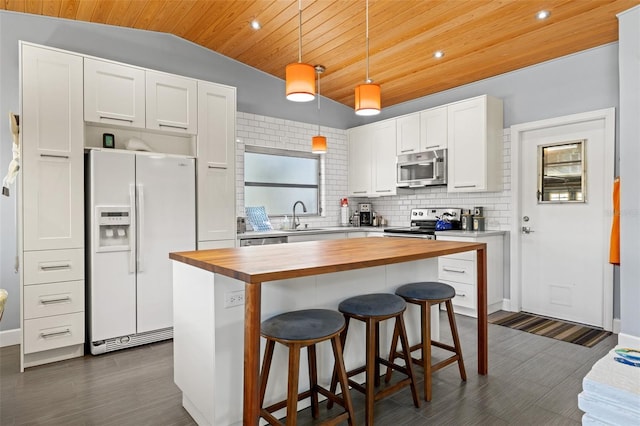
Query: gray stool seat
{"x": 308, "y": 324}
{"x": 376, "y": 304}
{"x": 428, "y": 290}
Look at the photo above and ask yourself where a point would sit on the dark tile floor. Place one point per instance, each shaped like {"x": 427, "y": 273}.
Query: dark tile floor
{"x": 532, "y": 380}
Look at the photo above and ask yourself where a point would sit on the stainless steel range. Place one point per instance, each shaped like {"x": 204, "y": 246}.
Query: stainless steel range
{"x": 424, "y": 220}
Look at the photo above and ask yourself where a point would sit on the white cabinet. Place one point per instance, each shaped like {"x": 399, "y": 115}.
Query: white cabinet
{"x": 459, "y": 270}
{"x": 422, "y": 131}
{"x": 123, "y": 95}
{"x": 114, "y": 93}
{"x": 316, "y": 237}
{"x": 372, "y": 159}
{"x": 52, "y": 208}
{"x": 475, "y": 145}
{"x": 216, "y": 163}
{"x": 172, "y": 103}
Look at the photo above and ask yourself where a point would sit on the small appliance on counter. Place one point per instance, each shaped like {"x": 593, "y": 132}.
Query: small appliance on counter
{"x": 344, "y": 212}
{"x": 366, "y": 214}
{"x": 424, "y": 222}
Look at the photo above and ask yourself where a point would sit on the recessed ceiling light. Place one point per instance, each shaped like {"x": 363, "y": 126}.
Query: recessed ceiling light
{"x": 543, "y": 14}
{"x": 255, "y": 25}
{"x": 438, "y": 54}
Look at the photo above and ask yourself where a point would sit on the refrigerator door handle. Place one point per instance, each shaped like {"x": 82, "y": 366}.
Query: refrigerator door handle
{"x": 132, "y": 233}
{"x": 140, "y": 227}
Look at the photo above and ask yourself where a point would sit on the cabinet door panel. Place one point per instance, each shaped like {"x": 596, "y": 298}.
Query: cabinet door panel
{"x": 216, "y": 162}
{"x": 114, "y": 94}
{"x": 408, "y": 134}
{"x": 384, "y": 158}
{"x": 433, "y": 129}
{"x": 467, "y": 145}
{"x": 52, "y": 147}
{"x": 360, "y": 142}
{"x": 171, "y": 103}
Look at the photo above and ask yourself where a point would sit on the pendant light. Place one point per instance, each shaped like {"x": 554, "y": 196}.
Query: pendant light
{"x": 368, "y": 94}
{"x": 319, "y": 143}
{"x": 300, "y": 78}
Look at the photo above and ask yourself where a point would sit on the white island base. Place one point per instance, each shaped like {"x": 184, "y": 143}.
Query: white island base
{"x": 208, "y": 338}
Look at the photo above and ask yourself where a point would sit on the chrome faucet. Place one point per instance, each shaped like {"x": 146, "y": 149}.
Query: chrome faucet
{"x": 296, "y": 221}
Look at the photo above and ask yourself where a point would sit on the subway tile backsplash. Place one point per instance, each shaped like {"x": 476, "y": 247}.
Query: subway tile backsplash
{"x": 253, "y": 129}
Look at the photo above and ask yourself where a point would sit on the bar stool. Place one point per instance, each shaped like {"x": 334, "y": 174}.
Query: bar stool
{"x": 296, "y": 330}
{"x": 427, "y": 294}
{"x": 372, "y": 309}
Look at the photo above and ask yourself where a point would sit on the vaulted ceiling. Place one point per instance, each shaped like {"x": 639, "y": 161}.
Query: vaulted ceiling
{"x": 479, "y": 38}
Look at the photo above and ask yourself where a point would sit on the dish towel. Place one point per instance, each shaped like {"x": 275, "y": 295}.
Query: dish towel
{"x": 614, "y": 248}
{"x": 258, "y": 219}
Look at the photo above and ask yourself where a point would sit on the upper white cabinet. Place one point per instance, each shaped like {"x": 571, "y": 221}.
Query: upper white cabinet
{"x": 372, "y": 159}
{"x": 475, "y": 145}
{"x": 52, "y": 166}
{"x": 216, "y": 163}
{"x": 114, "y": 93}
{"x": 422, "y": 131}
{"x": 172, "y": 103}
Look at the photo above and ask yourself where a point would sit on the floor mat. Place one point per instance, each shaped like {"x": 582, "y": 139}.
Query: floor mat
{"x": 556, "y": 329}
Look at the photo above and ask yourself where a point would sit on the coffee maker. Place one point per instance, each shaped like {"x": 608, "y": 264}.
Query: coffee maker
{"x": 366, "y": 215}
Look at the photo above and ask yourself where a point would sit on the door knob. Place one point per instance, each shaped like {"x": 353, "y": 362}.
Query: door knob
{"x": 526, "y": 230}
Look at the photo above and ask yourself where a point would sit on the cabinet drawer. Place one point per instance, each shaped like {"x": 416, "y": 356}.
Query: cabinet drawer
{"x": 462, "y": 271}
{"x": 45, "y": 300}
{"x": 465, "y": 255}
{"x": 465, "y": 295}
{"x": 42, "y": 334}
{"x": 49, "y": 266}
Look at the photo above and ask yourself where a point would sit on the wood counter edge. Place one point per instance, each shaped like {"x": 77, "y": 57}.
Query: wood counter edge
{"x": 280, "y": 274}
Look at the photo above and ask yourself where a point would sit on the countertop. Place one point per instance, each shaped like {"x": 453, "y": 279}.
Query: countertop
{"x": 282, "y": 261}
{"x": 312, "y": 230}
{"x": 469, "y": 234}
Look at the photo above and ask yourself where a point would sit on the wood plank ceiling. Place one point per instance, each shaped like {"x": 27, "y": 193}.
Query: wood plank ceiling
{"x": 480, "y": 38}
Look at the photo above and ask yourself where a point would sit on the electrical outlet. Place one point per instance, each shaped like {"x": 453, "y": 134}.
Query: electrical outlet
{"x": 233, "y": 298}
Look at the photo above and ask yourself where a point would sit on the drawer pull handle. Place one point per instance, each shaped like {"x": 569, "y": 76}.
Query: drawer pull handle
{"x": 53, "y": 301}
{"x": 458, "y": 271}
{"x": 383, "y": 190}
{"x": 104, "y": 117}
{"x": 460, "y": 294}
{"x": 431, "y": 146}
{"x": 54, "y": 156}
{"x": 55, "y": 334}
{"x": 359, "y": 192}
{"x": 172, "y": 127}
{"x": 407, "y": 150}
{"x": 55, "y": 267}
{"x": 464, "y": 186}
{"x": 217, "y": 167}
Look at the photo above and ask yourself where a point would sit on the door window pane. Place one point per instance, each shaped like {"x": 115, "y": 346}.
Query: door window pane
{"x": 276, "y": 179}
{"x": 561, "y": 176}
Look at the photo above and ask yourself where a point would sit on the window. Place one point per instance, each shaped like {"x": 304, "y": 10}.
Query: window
{"x": 277, "y": 178}
{"x": 561, "y": 176}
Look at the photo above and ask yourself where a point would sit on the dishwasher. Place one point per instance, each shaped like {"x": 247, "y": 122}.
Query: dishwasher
{"x": 262, "y": 241}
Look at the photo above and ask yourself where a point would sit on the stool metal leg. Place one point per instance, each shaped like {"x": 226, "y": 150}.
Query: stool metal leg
{"x": 292, "y": 390}
{"x": 313, "y": 380}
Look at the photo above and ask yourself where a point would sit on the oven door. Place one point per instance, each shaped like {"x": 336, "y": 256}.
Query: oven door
{"x": 422, "y": 169}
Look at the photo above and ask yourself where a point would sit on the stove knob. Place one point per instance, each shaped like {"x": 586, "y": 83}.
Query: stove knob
{"x": 421, "y": 213}
{"x": 414, "y": 213}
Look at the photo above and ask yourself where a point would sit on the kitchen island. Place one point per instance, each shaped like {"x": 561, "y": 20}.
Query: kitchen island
{"x": 310, "y": 274}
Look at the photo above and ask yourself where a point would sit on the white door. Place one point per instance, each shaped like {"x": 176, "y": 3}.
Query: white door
{"x": 166, "y": 223}
{"x": 564, "y": 271}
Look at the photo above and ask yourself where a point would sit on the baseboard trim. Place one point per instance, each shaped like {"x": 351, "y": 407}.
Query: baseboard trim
{"x": 616, "y": 326}
{"x": 10, "y": 337}
{"x": 628, "y": 341}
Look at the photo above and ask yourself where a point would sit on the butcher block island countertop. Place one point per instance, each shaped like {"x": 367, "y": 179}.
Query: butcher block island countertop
{"x": 205, "y": 327}
{"x": 258, "y": 264}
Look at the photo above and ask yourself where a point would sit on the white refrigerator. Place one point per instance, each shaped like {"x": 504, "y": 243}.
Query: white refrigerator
{"x": 140, "y": 207}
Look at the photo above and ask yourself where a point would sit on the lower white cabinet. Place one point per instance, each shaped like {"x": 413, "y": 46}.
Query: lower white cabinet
{"x": 460, "y": 271}
{"x": 316, "y": 237}
{"x": 50, "y": 333}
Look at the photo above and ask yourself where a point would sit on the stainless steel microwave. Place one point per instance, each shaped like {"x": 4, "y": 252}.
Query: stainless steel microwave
{"x": 422, "y": 169}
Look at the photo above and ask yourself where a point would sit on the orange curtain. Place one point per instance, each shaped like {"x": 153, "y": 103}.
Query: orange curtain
{"x": 614, "y": 248}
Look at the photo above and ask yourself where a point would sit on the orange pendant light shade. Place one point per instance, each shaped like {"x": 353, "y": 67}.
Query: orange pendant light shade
{"x": 319, "y": 144}
{"x": 300, "y": 82}
{"x": 367, "y": 99}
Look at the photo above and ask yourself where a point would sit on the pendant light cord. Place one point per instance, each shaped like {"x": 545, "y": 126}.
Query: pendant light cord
{"x": 367, "y": 41}
{"x": 318, "y": 72}
{"x": 300, "y": 31}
